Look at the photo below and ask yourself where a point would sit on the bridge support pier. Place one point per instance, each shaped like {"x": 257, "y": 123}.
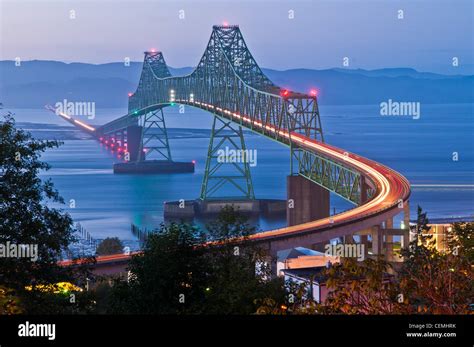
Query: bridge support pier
{"x": 388, "y": 242}
{"x": 134, "y": 139}
{"x": 407, "y": 238}
{"x": 306, "y": 201}
{"x": 377, "y": 240}
{"x": 148, "y": 150}
{"x": 364, "y": 241}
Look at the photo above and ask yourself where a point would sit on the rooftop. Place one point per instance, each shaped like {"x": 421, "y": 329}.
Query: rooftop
{"x": 297, "y": 252}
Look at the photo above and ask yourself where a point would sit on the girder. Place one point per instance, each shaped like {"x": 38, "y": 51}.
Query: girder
{"x": 156, "y": 63}
{"x": 117, "y": 125}
{"x": 339, "y": 179}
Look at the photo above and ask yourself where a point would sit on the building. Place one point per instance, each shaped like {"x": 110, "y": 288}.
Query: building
{"x": 311, "y": 278}
{"x": 440, "y": 234}
{"x": 300, "y": 257}
{"x": 305, "y": 266}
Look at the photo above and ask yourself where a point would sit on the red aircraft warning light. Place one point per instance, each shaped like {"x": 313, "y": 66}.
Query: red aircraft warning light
{"x": 284, "y": 93}
{"x": 313, "y": 92}
{"x": 130, "y": 94}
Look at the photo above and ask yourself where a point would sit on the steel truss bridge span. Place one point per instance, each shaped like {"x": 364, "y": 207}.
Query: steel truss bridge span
{"x": 228, "y": 83}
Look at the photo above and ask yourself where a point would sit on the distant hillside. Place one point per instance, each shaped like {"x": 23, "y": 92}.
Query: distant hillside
{"x": 37, "y": 83}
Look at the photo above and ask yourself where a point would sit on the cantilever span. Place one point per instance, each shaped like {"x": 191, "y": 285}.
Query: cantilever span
{"x": 228, "y": 83}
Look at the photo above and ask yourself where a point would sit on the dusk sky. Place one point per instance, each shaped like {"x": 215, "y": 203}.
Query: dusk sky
{"x": 319, "y": 36}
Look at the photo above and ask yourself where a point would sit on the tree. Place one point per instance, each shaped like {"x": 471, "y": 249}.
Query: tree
{"x": 240, "y": 275}
{"x": 10, "y": 303}
{"x": 184, "y": 270}
{"x": 26, "y": 218}
{"x": 428, "y": 282}
{"x": 110, "y": 245}
{"x": 434, "y": 282}
{"x": 169, "y": 277}
{"x": 360, "y": 288}
{"x": 461, "y": 240}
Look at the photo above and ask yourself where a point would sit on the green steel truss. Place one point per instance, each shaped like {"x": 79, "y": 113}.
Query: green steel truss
{"x": 225, "y": 141}
{"x": 154, "y": 142}
{"x": 228, "y": 82}
{"x": 332, "y": 176}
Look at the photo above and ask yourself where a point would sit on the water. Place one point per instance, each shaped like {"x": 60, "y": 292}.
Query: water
{"x": 422, "y": 150}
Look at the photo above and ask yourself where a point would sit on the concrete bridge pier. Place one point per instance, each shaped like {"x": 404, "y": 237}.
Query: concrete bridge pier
{"x": 389, "y": 256}
{"x": 137, "y": 162}
{"x": 364, "y": 240}
{"x": 120, "y": 136}
{"x": 306, "y": 201}
{"x": 377, "y": 240}
{"x": 383, "y": 236}
{"x": 407, "y": 237}
{"x": 134, "y": 138}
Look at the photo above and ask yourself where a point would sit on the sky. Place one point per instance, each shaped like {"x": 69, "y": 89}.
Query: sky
{"x": 282, "y": 34}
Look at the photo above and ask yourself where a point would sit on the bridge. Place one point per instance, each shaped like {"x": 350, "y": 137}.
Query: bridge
{"x": 228, "y": 83}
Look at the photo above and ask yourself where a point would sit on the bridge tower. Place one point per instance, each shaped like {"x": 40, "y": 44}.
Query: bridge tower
{"x": 227, "y": 177}
{"x": 227, "y": 150}
{"x": 306, "y": 201}
{"x": 143, "y": 129}
{"x": 154, "y": 142}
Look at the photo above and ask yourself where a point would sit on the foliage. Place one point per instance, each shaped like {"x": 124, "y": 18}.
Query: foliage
{"x": 240, "y": 273}
{"x": 433, "y": 282}
{"x": 186, "y": 271}
{"x": 169, "y": 269}
{"x": 110, "y": 245}
{"x": 428, "y": 282}
{"x": 27, "y": 218}
{"x": 461, "y": 240}
{"x": 10, "y": 303}
{"x": 360, "y": 288}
